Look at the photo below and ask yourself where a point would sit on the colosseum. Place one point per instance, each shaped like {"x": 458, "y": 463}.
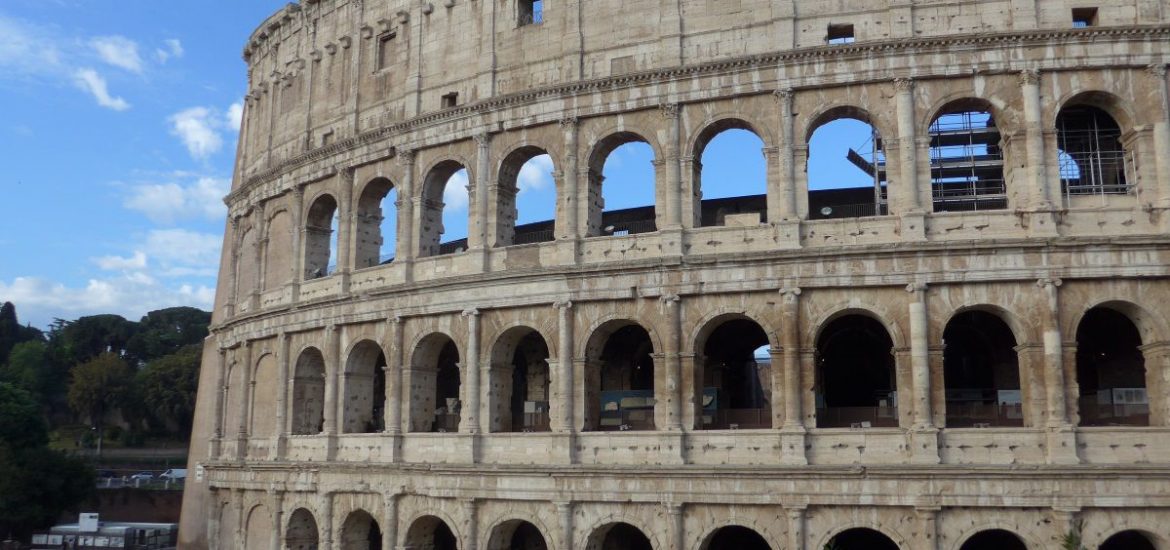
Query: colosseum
{"x": 972, "y": 351}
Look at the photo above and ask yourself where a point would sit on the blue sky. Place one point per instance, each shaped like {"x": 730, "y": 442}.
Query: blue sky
{"x": 119, "y": 123}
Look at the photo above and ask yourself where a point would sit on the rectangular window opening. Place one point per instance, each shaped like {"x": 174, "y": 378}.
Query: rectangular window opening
{"x": 531, "y": 12}
{"x": 840, "y": 34}
{"x": 1084, "y": 17}
{"x": 450, "y": 100}
{"x": 385, "y": 42}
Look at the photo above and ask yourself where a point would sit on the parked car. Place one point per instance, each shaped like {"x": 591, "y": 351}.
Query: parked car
{"x": 174, "y": 474}
{"x": 142, "y": 476}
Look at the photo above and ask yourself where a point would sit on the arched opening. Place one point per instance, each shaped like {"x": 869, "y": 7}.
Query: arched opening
{"x": 982, "y": 372}
{"x": 618, "y": 536}
{"x": 365, "y": 389}
{"x": 516, "y": 535}
{"x": 434, "y": 385}
{"x": 527, "y": 198}
{"x": 520, "y": 396}
{"x": 302, "y": 533}
{"x": 1111, "y": 370}
{"x": 246, "y": 270}
{"x": 376, "y": 224}
{"x": 730, "y": 173}
{"x": 966, "y": 159}
{"x": 846, "y": 169}
{"x": 734, "y": 537}
{"x": 431, "y": 533}
{"x": 444, "y": 212}
{"x": 308, "y": 404}
{"x": 736, "y": 373}
{"x": 625, "y": 205}
{"x": 1092, "y": 158}
{"x": 619, "y": 378}
{"x": 856, "y": 384}
{"x": 259, "y": 528}
{"x": 321, "y": 237}
{"x": 236, "y": 398}
{"x": 278, "y": 255}
{"x": 995, "y": 539}
{"x": 360, "y": 532}
{"x": 862, "y": 539}
{"x": 266, "y": 388}
{"x": 1128, "y": 540}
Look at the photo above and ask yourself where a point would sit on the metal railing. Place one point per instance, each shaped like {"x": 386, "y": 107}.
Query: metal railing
{"x": 737, "y": 419}
{"x": 967, "y": 414}
{"x": 621, "y": 421}
{"x": 530, "y": 422}
{"x": 857, "y": 417}
{"x": 1094, "y": 173}
{"x": 1094, "y": 412}
{"x": 836, "y": 211}
{"x": 531, "y": 237}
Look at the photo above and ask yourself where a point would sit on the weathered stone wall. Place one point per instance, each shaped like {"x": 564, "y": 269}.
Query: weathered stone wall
{"x": 346, "y": 103}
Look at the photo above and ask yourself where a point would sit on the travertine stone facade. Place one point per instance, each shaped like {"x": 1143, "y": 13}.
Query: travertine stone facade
{"x": 464, "y": 398}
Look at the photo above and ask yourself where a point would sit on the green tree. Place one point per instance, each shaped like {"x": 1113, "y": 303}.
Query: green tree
{"x": 11, "y": 333}
{"x": 167, "y": 386}
{"x": 165, "y": 331}
{"x": 28, "y": 368}
{"x": 21, "y": 424}
{"x": 88, "y": 337}
{"x": 99, "y": 386}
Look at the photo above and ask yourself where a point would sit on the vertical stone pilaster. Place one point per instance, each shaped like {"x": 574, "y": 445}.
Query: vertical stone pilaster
{"x": 283, "y": 397}
{"x": 562, "y": 420}
{"x": 221, "y": 389}
{"x": 405, "y": 247}
{"x": 471, "y": 517}
{"x": 920, "y": 355}
{"x": 469, "y": 421}
{"x": 796, "y": 531}
{"x": 240, "y": 533}
{"x": 672, "y": 189}
{"x": 298, "y": 244}
{"x": 782, "y": 191}
{"x": 676, "y": 538}
{"x": 567, "y": 226}
{"x": 1158, "y": 75}
{"x": 345, "y": 240}
{"x": 333, "y": 368}
{"x": 326, "y": 522}
{"x": 792, "y": 444}
{"x": 910, "y": 207}
{"x": 927, "y": 528}
{"x": 1061, "y": 435}
{"x": 246, "y": 402}
{"x": 390, "y": 521}
{"x": 477, "y": 237}
{"x": 670, "y": 395}
{"x": 565, "y": 515}
{"x": 1037, "y": 178}
{"x": 276, "y": 499}
{"x": 394, "y": 379}
{"x": 1157, "y": 356}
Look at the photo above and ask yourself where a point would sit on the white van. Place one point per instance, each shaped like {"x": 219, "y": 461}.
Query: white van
{"x": 174, "y": 474}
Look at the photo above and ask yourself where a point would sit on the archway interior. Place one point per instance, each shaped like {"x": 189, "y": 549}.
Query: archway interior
{"x": 734, "y": 537}
{"x": 966, "y": 161}
{"x": 995, "y": 539}
{"x": 625, "y": 203}
{"x": 626, "y": 381}
{"x": 622, "y": 536}
{"x": 434, "y": 380}
{"x": 376, "y": 224}
{"x": 447, "y": 405}
{"x": 444, "y": 213}
{"x": 308, "y": 404}
{"x": 517, "y": 535}
{"x": 528, "y": 398}
{"x": 730, "y": 175}
{"x": 1111, "y": 370}
{"x": 1092, "y": 157}
{"x": 431, "y": 533}
{"x": 847, "y": 173}
{"x": 862, "y": 539}
{"x": 302, "y": 531}
{"x": 321, "y": 238}
{"x": 361, "y": 532}
{"x": 982, "y": 372}
{"x": 1128, "y": 540}
{"x": 856, "y": 386}
{"x": 365, "y": 389}
{"x": 247, "y": 272}
{"x": 737, "y": 376}
{"x": 527, "y": 198}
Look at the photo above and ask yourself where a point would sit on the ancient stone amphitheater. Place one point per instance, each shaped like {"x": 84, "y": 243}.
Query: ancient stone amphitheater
{"x": 971, "y": 352}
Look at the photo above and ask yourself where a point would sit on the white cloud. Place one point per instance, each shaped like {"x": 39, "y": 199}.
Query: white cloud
{"x": 536, "y": 174}
{"x": 118, "y": 263}
{"x": 26, "y": 49}
{"x": 235, "y": 116}
{"x": 455, "y": 195}
{"x": 184, "y": 250}
{"x": 198, "y": 128}
{"x": 170, "y": 202}
{"x": 132, "y": 296}
{"x": 118, "y": 51}
{"x": 92, "y": 82}
{"x": 173, "y": 49}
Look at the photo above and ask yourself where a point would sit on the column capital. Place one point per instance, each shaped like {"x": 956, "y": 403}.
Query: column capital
{"x": 669, "y": 111}
{"x": 406, "y": 157}
{"x": 784, "y": 95}
{"x": 904, "y": 84}
{"x": 917, "y": 287}
{"x": 469, "y": 313}
{"x": 674, "y": 508}
{"x": 568, "y": 120}
{"x": 563, "y": 304}
{"x": 1029, "y": 77}
{"x": 670, "y": 299}
{"x": 1157, "y": 71}
{"x": 395, "y": 319}
{"x": 1047, "y": 282}
{"x": 482, "y": 139}
{"x": 791, "y": 292}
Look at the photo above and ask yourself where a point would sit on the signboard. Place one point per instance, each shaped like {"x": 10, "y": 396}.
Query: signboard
{"x": 88, "y": 523}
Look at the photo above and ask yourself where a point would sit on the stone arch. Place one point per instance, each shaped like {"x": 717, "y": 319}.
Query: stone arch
{"x": 516, "y": 381}
{"x": 836, "y": 111}
{"x": 855, "y": 381}
{"x": 266, "y": 388}
{"x": 595, "y": 328}
{"x": 893, "y": 536}
{"x": 508, "y": 188}
{"x": 708, "y": 131}
{"x": 1152, "y": 325}
{"x": 360, "y": 531}
{"x": 1092, "y": 145}
{"x": 1023, "y": 331}
{"x": 1114, "y": 377}
{"x": 247, "y": 271}
{"x": 704, "y": 540}
{"x": 973, "y": 534}
{"x": 711, "y": 320}
{"x": 990, "y": 392}
{"x": 365, "y": 388}
{"x": 236, "y": 401}
{"x": 742, "y": 383}
{"x": 968, "y": 168}
{"x": 593, "y": 537}
{"x": 308, "y": 402}
{"x": 318, "y": 234}
{"x": 599, "y": 152}
{"x": 503, "y": 534}
{"x": 278, "y": 250}
{"x": 636, "y": 408}
{"x": 430, "y": 530}
{"x": 434, "y": 183}
{"x": 728, "y": 120}
{"x": 1125, "y": 538}
{"x": 258, "y": 527}
{"x": 1114, "y": 105}
{"x": 435, "y": 381}
{"x": 543, "y": 325}
{"x": 302, "y": 532}
{"x": 962, "y": 100}
{"x": 369, "y": 242}
{"x": 853, "y": 307}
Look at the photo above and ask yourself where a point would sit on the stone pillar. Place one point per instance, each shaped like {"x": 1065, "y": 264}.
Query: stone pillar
{"x": 673, "y": 375}
{"x": 333, "y": 370}
{"x": 221, "y": 389}
{"x": 325, "y": 522}
{"x": 394, "y": 379}
{"x": 795, "y": 526}
{"x": 214, "y": 521}
{"x": 469, "y": 418}
{"x": 562, "y": 421}
{"x": 567, "y": 227}
{"x": 1037, "y": 178}
{"x": 785, "y": 189}
{"x": 1162, "y": 136}
{"x": 792, "y": 444}
{"x": 920, "y": 356}
{"x": 298, "y": 241}
{"x": 470, "y": 513}
{"x": 927, "y": 527}
{"x": 277, "y": 500}
{"x": 405, "y": 240}
{"x": 565, "y": 515}
{"x": 1157, "y": 356}
{"x": 1061, "y": 435}
{"x": 389, "y": 522}
{"x": 910, "y": 209}
{"x": 1066, "y": 521}
{"x": 478, "y": 209}
{"x": 345, "y": 240}
{"x": 282, "y": 397}
{"x": 676, "y": 538}
{"x": 672, "y": 193}
{"x": 234, "y": 275}
{"x": 245, "y": 402}
{"x": 240, "y": 533}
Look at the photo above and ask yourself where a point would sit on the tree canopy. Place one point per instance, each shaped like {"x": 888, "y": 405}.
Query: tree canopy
{"x": 167, "y": 386}
{"x": 99, "y": 385}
